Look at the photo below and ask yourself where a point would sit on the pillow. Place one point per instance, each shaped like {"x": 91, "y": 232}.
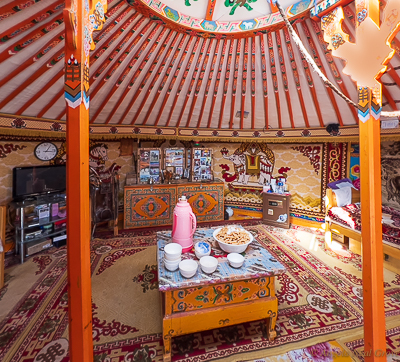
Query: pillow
{"x": 343, "y": 196}
{"x": 340, "y": 184}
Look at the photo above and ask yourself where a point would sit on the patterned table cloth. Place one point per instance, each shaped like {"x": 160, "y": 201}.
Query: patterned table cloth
{"x": 258, "y": 263}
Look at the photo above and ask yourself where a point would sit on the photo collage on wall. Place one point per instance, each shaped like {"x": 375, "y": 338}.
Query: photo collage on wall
{"x": 149, "y": 165}
{"x": 175, "y": 160}
{"x": 202, "y": 165}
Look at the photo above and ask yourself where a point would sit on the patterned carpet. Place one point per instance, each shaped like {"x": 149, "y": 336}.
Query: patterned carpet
{"x": 320, "y": 299}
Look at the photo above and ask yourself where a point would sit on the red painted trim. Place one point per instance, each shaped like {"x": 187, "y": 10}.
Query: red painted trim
{"x": 199, "y": 82}
{"x": 334, "y": 69}
{"x": 167, "y": 79}
{"x": 30, "y": 18}
{"x": 321, "y": 66}
{"x": 35, "y": 35}
{"x": 389, "y": 98}
{"x": 127, "y": 87}
{"x": 217, "y": 82}
{"x": 29, "y": 62}
{"x": 51, "y": 104}
{"x": 27, "y": 82}
{"x": 183, "y": 79}
{"x": 42, "y": 91}
{"x": 284, "y": 77}
{"x": 166, "y": 60}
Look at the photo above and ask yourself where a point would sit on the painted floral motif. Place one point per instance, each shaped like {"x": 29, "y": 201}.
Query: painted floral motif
{"x": 215, "y": 133}
{"x": 280, "y": 134}
{"x": 136, "y": 130}
{"x": 236, "y": 3}
{"x": 305, "y": 133}
{"x": 113, "y": 130}
{"x": 256, "y": 134}
{"x": 159, "y": 131}
{"x": 149, "y": 278}
{"x": 195, "y": 132}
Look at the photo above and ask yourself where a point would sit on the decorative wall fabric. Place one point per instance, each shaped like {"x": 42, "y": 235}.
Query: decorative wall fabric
{"x": 244, "y": 167}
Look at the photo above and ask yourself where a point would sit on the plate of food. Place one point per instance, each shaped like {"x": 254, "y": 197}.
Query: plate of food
{"x": 232, "y": 239}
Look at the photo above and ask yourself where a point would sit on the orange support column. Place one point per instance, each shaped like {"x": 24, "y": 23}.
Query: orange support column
{"x": 78, "y": 43}
{"x": 365, "y": 64}
{"x": 371, "y": 220}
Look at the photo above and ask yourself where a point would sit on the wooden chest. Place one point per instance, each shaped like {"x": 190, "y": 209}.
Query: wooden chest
{"x": 153, "y": 205}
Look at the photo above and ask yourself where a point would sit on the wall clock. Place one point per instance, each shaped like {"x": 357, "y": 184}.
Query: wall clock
{"x": 46, "y": 151}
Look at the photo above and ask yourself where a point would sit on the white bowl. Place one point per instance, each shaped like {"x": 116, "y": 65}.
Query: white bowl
{"x": 235, "y": 260}
{"x": 202, "y": 248}
{"x": 208, "y": 264}
{"x": 172, "y": 251}
{"x": 172, "y": 265}
{"x": 188, "y": 267}
{"x": 232, "y": 248}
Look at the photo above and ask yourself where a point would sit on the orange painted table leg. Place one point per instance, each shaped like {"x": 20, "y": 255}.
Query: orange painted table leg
{"x": 205, "y": 307}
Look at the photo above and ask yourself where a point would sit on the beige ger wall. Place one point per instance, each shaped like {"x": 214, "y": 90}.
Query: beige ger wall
{"x": 307, "y": 169}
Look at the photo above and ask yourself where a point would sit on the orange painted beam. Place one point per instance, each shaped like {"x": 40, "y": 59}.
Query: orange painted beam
{"x": 371, "y": 219}
{"x": 210, "y": 9}
{"x": 76, "y": 86}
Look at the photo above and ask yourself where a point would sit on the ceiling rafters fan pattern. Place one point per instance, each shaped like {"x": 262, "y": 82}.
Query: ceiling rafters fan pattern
{"x": 145, "y": 74}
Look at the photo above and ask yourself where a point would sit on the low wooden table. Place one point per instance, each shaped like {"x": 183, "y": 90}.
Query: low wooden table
{"x": 226, "y": 297}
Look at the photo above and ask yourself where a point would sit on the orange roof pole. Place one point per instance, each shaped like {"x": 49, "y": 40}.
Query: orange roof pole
{"x": 365, "y": 64}
{"x": 76, "y": 89}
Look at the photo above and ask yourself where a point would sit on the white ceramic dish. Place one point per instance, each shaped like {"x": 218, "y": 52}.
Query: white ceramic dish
{"x": 188, "y": 267}
{"x": 202, "y": 248}
{"x": 232, "y": 248}
{"x": 235, "y": 260}
{"x": 172, "y": 265}
{"x": 172, "y": 251}
{"x": 208, "y": 264}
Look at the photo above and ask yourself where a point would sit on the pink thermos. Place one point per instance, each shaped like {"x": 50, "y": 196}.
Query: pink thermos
{"x": 183, "y": 224}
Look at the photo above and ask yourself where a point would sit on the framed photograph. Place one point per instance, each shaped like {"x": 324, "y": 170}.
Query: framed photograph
{"x": 149, "y": 165}
{"x": 175, "y": 160}
{"x": 201, "y": 165}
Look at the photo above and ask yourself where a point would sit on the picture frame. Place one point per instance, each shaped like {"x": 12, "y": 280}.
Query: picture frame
{"x": 202, "y": 165}
{"x": 175, "y": 160}
{"x": 149, "y": 161}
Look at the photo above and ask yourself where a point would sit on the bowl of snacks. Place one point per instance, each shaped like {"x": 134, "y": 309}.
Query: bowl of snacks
{"x": 232, "y": 239}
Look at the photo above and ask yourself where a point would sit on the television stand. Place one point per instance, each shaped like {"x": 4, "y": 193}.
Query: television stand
{"x": 38, "y": 221}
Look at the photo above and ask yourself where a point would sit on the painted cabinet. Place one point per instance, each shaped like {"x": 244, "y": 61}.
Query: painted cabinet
{"x": 153, "y": 205}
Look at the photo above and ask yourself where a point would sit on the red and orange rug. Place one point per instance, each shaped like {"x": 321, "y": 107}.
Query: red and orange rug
{"x": 320, "y": 299}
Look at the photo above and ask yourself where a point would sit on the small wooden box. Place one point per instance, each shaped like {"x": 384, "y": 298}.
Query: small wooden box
{"x": 45, "y": 244}
{"x": 338, "y": 237}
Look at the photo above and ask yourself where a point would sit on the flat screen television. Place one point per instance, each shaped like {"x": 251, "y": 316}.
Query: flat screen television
{"x": 38, "y": 180}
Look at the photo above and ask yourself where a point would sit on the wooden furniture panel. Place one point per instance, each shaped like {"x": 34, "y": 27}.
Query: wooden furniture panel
{"x": 153, "y": 205}
{"x": 355, "y": 242}
{"x": 149, "y": 205}
{"x": 206, "y": 200}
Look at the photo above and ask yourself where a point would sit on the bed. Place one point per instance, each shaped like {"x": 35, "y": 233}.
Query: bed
{"x": 346, "y": 221}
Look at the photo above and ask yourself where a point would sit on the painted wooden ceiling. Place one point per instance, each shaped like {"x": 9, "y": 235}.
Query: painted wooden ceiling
{"x": 149, "y": 68}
